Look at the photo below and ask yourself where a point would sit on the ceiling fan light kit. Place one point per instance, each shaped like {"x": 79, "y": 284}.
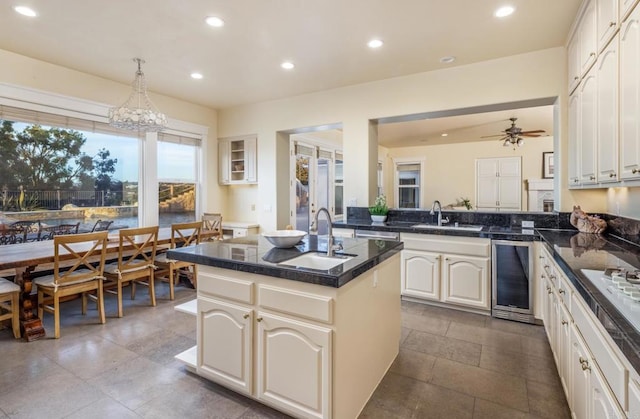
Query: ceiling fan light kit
{"x": 512, "y": 136}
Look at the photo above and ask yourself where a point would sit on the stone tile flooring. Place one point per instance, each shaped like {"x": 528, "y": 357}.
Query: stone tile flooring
{"x": 451, "y": 365}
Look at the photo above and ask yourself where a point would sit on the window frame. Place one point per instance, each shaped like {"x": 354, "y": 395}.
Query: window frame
{"x": 396, "y": 182}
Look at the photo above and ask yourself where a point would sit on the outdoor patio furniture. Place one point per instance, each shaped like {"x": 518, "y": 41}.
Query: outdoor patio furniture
{"x": 26, "y": 231}
{"x": 48, "y": 233}
{"x": 101, "y": 225}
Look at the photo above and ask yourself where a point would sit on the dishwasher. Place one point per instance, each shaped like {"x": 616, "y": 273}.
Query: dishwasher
{"x": 512, "y": 280}
{"x": 378, "y": 235}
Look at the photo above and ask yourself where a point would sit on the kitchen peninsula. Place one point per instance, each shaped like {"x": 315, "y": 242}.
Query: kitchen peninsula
{"x": 312, "y": 343}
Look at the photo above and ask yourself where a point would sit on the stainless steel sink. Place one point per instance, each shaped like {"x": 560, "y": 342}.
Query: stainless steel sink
{"x": 319, "y": 261}
{"x": 460, "y": 227}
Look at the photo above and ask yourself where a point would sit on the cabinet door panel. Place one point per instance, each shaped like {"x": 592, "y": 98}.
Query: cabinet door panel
{"x": 293, "y": 366}
{"x": 607, "y": 108}
{"x": 574, "y": 135}
{"x": 607, "y": 20}
{"x": 465, "y": 280}
{"x": 224, "y": 162}
{"x": 421, "y": 274}
{"x": 588, "y": 117}
{"x": 630, "y": 97}
{"x": 225, "y": 344}
{"x": 573, "y": 58}
{"x": 580, "y": 377}
{"x": 588, "y": 37}
{"x": 603, "y": 403}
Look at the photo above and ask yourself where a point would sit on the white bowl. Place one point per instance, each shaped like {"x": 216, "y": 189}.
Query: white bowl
{"x": 284, "y": 238}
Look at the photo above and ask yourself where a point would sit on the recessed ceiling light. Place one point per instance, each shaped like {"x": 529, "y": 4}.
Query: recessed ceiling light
{"x": 25, "y": 11}
{"x": 375, "y": 43}
{"x": 214, "y": 21}
{"x": 444, "y": 134}
{"x": 287, "y": 65}
{"x": 448, "y": 59}
{"x": 196, "y": 76}
{"x": 504, "y": 11}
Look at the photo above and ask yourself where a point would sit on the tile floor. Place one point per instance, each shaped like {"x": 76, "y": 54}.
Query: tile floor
{"x": 451, "y": 365}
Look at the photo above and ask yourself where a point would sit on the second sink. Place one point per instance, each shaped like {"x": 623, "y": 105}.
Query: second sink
{"x": 319, "y": 261}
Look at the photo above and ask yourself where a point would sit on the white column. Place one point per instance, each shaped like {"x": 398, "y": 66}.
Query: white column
{"x": 360, "y": 144}
{"x": 148, "y": 180}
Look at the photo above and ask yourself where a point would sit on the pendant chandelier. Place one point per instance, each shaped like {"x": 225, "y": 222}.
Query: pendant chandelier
{"x": 138, "y": 113}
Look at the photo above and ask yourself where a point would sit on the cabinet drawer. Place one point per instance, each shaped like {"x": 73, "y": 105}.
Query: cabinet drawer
{"x": 296, "y": 303}
{"x": 471, "y": 246}
{"x": 210, "y": 284}
{"x": 612, "y": 368}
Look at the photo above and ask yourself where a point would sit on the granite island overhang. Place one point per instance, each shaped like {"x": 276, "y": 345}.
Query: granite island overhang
{"x": 310, "y": 343}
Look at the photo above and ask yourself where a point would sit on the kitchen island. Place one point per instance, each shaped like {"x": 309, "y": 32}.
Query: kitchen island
{"x": 311, "y": 343}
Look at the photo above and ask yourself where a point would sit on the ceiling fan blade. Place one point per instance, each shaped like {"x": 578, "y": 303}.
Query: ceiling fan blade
{"x": 533, "y": 132}
{"x": 490, "y": 136}
{"x": 530, "y": 135}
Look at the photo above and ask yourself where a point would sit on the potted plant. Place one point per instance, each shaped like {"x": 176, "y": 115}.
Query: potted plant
{"x": 379, "y": 210}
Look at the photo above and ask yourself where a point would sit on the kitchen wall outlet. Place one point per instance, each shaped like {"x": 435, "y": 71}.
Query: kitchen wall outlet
{"x": 267, "y": 208}
{"x": 527, "y": 224}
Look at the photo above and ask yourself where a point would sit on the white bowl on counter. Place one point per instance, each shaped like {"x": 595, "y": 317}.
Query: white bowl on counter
{"x": 284, "y": 238}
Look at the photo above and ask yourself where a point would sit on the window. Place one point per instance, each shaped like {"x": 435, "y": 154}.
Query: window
{"x": 408, "y": 182}
{"x": 177, "y": 179}
{"x": 104, "y": 168}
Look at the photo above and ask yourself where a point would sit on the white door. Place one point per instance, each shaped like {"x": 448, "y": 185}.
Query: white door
{"x": 293, "y": 365}
{"x": 465, "y": 280}
{"x": 630, "y": 97}
{"x": 588, "y": 123}
{"x": 420, "y": 274}
{"x": 607, "y": 108}
{"x": 225, "y": 336}
{"x": 499, "y": 183}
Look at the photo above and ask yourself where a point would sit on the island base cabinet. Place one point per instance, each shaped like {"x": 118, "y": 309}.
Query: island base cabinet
{"x": 225, "y": 349}
{"x": 293, "y": 365}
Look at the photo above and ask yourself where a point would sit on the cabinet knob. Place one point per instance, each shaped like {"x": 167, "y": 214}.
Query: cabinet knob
{"x": 592, "y": 178}
{"x": 259, "y": 319}
{"x": 549, "y": 291}
{"x": 576, "y": 78}
{"x": 586, "y": 367}
{"x": 582, "y": 360}
{"x": 612, "y": 175}
{"x": 552, "y": 277}
{"x": 612, "y": 24}
{"x": 593, "y": 54}
{"x": 564, "y": 322}
{"x": 561, "y": 291}
{"x": 546, "y": 266}
{"x": 634, "y": 171}
{"x": 246, "y": 316}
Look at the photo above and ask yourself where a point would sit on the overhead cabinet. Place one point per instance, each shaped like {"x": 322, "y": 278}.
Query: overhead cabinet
{"x": 237, "y": 160}
{"x": 604, "y": 106}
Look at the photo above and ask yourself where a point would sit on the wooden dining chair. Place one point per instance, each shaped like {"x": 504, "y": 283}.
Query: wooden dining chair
{"x": 211, "y": 226}
{"x": 136, "y": 263}
{"x": 182, "y": 234}
{"x": 84, "y": 277}
{"x": 9, "y": 304}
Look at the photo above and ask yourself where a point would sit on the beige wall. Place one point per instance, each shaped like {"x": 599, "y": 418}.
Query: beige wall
{"x": 24, "y": 71}
{"x": 502, "y": 80}
{"x": 450, "y": 169}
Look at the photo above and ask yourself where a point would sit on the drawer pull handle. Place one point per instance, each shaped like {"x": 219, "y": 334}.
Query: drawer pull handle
{"x": 552, "y": 277}
{"x": 564, "y": 322}
{"x": 586, "y": 367}
{"x": 561, "y": 291}
{"x": 549, "y": 291}
{"x": 612, "y": 175}
{"x": 592, "y": 178}
{"x": 612, "y": 24}
{"x": 634, "y": 171}
{"x": 246, "y": 316}
{"x": 582, "y": 360}
{"x": 259, "y": 319}
{"x": 593, "y": 54}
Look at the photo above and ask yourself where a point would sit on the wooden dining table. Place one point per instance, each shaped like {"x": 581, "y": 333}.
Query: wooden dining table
{"x": 23, "y": 260}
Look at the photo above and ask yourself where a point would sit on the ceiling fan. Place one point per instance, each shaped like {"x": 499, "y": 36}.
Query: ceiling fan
{"x": 512, "y": 136}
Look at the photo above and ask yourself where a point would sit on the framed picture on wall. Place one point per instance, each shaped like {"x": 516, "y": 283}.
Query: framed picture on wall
{"x": 547, "y": 164}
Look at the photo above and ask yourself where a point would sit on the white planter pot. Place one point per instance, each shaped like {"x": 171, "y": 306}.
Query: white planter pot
{"x": 378, "y": 218}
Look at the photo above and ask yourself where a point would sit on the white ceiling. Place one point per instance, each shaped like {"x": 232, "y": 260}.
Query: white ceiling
{"x": 241, "y": 61}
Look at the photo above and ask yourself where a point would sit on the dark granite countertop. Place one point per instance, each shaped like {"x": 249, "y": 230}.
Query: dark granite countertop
{"x": 574, "y": 251}
{"x": 489, "y": 232}
{"x": 254, "y": 254}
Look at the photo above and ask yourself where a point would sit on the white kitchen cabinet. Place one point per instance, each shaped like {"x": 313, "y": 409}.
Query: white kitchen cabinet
{"x": 588, "y": 36}
{"x": 588, "y": 128}
{"x": 634, "y": 398}
{"x": 563, "y": 346}
{"x": 579, "y": 379}
{"x": 606, "y": 20}
{"x": 237, "y": 160}
{"x": 603, "y": 404}
{"x": 630, "y": 97}
{"x": 465, "y": 281}
{"x": 225, "y": 336}
{"x": 450, "y": 270}
{"x": 573, "y": 160}
{"x": 293, "y": 365}
{"x": 625, "y": 7}
{"x": 420, "y": 273}
{"x": 499, "y": 183}
{"x": 573, "y": 61}
{"x": 607, "y": 113}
